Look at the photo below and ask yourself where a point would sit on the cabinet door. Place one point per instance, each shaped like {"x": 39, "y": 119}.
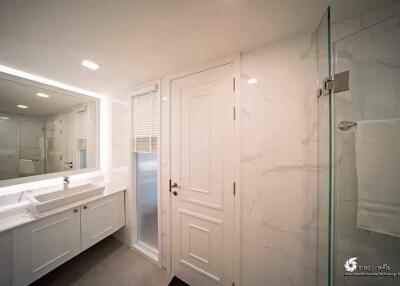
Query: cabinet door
{"x": 41, "y": 246}
{"x": 100, "y": 219}
{"x": 5, "y": 258}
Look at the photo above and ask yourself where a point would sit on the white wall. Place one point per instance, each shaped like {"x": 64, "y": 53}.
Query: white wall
{"x": 279, "y": 164}
{"x": 120, "y": 160}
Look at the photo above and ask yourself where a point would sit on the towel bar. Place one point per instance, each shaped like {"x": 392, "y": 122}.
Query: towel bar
{"x": 346, "y": 125}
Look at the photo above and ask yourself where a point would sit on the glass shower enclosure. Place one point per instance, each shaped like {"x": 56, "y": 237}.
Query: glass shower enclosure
{"x": 359, "y": 151}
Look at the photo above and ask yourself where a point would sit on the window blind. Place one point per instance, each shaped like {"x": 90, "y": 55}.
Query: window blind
{"x": 145, "y": 122}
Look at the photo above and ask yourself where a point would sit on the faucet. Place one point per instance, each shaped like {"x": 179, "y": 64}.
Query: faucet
{"x": 66, "y": 182}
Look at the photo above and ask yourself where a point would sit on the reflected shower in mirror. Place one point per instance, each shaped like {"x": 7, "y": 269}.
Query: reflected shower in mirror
{"x": 43, "y": 130}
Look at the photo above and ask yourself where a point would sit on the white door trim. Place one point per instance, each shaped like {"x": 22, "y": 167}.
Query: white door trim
{"x": 166, "y": 163}
{"x": 152, "y": 86}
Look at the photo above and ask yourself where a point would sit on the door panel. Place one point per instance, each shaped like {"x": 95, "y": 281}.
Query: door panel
{"x": 101, "y": 218}
{"x": 98, "y": 221}
{"x": 202, "y": 140}
{"x": 42, "y": 246}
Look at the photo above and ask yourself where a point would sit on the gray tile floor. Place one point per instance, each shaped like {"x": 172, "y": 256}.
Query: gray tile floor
{"x": 107, "y": 263}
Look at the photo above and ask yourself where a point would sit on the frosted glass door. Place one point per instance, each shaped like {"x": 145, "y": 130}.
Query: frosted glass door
{"x": 146, "y": 199}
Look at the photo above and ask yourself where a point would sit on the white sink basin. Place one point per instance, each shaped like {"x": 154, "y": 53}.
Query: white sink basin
{"x": 53, "y": 200}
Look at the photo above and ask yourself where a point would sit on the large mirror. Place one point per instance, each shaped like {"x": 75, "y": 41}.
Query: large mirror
{"x": 45, "y": 130}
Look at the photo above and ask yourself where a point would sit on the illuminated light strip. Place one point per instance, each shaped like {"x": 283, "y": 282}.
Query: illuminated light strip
{"x": 104, "y": 128}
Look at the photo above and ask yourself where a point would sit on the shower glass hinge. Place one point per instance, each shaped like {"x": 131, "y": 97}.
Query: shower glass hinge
{"x": 336, "y": 84}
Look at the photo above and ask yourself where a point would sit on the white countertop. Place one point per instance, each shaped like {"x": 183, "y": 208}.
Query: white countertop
{"x": 17, "y": 220}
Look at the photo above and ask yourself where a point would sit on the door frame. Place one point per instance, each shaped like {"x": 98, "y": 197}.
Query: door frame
{"x": 166, "y": 92}
{"x": 152, "y": 86}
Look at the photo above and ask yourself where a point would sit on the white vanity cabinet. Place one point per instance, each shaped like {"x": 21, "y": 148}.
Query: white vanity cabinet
{"x": 6, "y": 258}
{"x": 101, "y": 218}
{"x": 41, "y": 246}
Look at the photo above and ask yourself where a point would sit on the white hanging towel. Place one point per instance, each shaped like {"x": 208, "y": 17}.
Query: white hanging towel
{"x": 378, "y": 175}
{"x": 26, "y": 167}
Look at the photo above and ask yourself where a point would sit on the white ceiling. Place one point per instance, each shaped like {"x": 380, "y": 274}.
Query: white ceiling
{"x": 138, "y": 40}
{"x": 13, "y": 94}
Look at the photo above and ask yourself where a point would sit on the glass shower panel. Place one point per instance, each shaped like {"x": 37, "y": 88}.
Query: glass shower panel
{"x": 9, "y": 147}
{"x": 367, "y": 157}
{"x": 322, "y": 37}
{"x": 146, "y": 199}
{"x": 32, "y": 151}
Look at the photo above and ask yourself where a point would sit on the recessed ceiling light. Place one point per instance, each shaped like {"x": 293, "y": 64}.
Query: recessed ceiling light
{"x": 252, "y": 80}
{"x": 22, "y": 106}
{"x": 90, "y": 65}
{"x": 42, "y": 95}
{"x": 4, "y": 117}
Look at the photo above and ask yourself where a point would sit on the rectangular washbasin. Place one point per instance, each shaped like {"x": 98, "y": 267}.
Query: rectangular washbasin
{"x": 53, "y": 200}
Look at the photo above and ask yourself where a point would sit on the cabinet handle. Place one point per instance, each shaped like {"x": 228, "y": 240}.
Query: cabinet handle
{"x": 75, "y": 210}
{"x": 85, "y": 207}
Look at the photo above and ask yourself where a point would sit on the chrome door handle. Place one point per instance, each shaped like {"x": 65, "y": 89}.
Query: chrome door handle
{"x": 175, "y": 186}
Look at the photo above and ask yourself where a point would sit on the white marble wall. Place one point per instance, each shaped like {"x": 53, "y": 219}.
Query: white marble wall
{"x": 120, "y": 159}
{"x": 279, "y": 164}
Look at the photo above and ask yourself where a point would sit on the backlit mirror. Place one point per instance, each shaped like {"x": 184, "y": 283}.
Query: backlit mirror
{"x": 45, "y": 130}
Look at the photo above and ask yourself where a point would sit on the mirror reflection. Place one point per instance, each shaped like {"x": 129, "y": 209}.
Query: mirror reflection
{"x": 45, "y": 131}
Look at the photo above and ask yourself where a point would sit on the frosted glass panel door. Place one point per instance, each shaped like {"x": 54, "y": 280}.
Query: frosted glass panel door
{"x": 367, "y": 156}
{"x": 144, "y": 145}
{"x": 146, "y": 198}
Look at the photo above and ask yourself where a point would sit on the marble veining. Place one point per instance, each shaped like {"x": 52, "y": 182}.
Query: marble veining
{"x": 279, "y": 164}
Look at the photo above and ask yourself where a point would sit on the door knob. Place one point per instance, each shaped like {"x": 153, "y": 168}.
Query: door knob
{"x": 175, "y": 186}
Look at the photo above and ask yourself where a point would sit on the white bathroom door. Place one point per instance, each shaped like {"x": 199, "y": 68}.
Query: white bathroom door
{"x": 202, "y": 169}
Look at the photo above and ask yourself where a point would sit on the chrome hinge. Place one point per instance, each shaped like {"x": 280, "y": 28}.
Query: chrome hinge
{"x": 341, "y": 82}
{"x": 234, "y": 84}
{"x": 327, "y": 86}
{"x": 234, "y": 113}
{"x": 338, "y": 83}
{"x": 234, "y": 188}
